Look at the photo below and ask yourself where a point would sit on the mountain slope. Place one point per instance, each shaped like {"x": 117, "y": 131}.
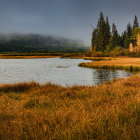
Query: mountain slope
{"x": 39, "y": 43}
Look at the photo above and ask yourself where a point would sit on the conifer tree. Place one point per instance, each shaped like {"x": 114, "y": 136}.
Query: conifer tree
{"x": 129, "y": 30}
{"x": 122, "y": 38}
{"x": 95, "y": 40}
{"x": 115, "y": 39}
{"x": 136, "y": 24}
{"x": 107, "y": 32}
{"x": 127, "y": 37}
{"x": 101, "y": 33}
{"x": 126, "y": 42}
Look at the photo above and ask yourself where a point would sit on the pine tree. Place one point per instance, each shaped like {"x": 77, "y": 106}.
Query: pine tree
{"x": 107, "y": 32}
{"x": 127, "y": 36}
{"x": 129, "y": 30}
{"x": 101, "y": 33}
{"x": 127, "y": 42}
{"x": 95, "y": 40}
{"x": 115, "y": 39}
{"x": 122, "y": 38}
{"x": 136, "y": 24}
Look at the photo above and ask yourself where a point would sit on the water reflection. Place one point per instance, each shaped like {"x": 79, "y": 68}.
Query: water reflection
{"x": 101, "y": 75}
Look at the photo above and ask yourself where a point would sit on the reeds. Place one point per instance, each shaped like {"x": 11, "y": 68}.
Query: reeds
{"x": 107, "y": 111}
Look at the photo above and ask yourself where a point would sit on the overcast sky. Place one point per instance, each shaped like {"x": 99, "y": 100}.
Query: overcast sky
{"x": 66, "y": 18}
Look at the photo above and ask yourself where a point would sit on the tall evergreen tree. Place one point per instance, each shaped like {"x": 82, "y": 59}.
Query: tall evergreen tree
{"x": 107, "y": 32}
{"x": 126, "y": 41}
{"x": 136, "y": 24}
{"x": 95, "y": 40}
{"x": 115, "y": 39}
{"x": 101, "y": 33}
{"x": 129, "y": 30}
{"x": 127, "y": 37}
{"x": 122, "y": 38}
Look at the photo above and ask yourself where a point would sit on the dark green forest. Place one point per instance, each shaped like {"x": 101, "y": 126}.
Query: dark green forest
{"x": 30, "y": 43}
{"x": 107, "y": 40}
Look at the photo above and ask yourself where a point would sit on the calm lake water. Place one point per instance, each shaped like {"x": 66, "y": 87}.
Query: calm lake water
{"x": 54, "y": 70}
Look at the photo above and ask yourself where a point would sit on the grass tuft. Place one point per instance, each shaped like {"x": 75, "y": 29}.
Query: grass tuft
{"x": 19, "y": 87}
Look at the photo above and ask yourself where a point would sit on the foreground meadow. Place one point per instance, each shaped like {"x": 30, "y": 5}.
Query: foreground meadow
{"x": 129, "y": 64}
{"x": 34, "y": 111}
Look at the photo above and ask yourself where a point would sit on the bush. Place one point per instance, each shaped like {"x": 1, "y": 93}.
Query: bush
{"x": 107, "y": 50}
{"x": 88, "y": 54}
{"x": 126, "y": 52}
{"x": 97, "y": 54}
{"x": 116, "y": 52}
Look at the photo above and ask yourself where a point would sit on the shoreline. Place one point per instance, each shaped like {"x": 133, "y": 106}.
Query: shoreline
{"x": 128, "y": 64}
{"x": 40, "y": 55}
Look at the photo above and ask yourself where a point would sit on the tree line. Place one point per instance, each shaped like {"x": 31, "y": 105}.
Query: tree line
{"x": 106, "y": 38}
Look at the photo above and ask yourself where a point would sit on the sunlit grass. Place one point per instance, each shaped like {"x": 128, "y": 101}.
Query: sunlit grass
{"x": 108, "y": 111}
{"x": 129, "y": 64}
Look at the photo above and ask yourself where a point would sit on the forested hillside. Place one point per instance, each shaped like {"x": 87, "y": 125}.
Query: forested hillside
{"x": 38, "y": 43}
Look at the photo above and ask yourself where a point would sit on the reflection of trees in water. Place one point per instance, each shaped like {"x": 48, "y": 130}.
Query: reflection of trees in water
{"x": 100, "y": 75}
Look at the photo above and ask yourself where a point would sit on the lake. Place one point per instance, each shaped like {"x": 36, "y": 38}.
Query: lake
{"x": 55, "y": 70}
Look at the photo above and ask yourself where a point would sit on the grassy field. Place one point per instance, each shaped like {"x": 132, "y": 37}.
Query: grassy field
{"x": 108, "y": 111}
{"x": 129, "y": 64}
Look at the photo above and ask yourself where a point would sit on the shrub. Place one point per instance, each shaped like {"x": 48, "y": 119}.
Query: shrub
{"x": 97, "y": 54}
{"x": 116, "y": 52}
{"x": 88, "y": 54}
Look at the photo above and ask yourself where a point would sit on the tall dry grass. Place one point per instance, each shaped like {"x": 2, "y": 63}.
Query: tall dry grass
{"x": 19, "y": 87}
{"x": 129, "y": 64}
{"x": 107, "y": 111}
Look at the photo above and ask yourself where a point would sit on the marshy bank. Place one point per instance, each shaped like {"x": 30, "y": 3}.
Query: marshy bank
{"x": 128, "y": 64}
{"x": 40, "y": 55}
{"x": 34, "y": 111}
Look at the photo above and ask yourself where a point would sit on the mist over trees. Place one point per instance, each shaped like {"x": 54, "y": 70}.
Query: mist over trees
{"x": 28, "y": 43}
{"x": 105, "y": 38}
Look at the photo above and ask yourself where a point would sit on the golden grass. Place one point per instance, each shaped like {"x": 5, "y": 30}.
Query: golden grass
{"x": 108, "y": 111}
{"x": 40, "y": 55}
{"x": 28, "y": 55}
{"x": 130, "y": 64}
{"x": 97, "y": 58}
{"x": 25, "y": 57}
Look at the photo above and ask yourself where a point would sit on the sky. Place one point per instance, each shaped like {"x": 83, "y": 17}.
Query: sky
{"x": 64, "y": 18}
